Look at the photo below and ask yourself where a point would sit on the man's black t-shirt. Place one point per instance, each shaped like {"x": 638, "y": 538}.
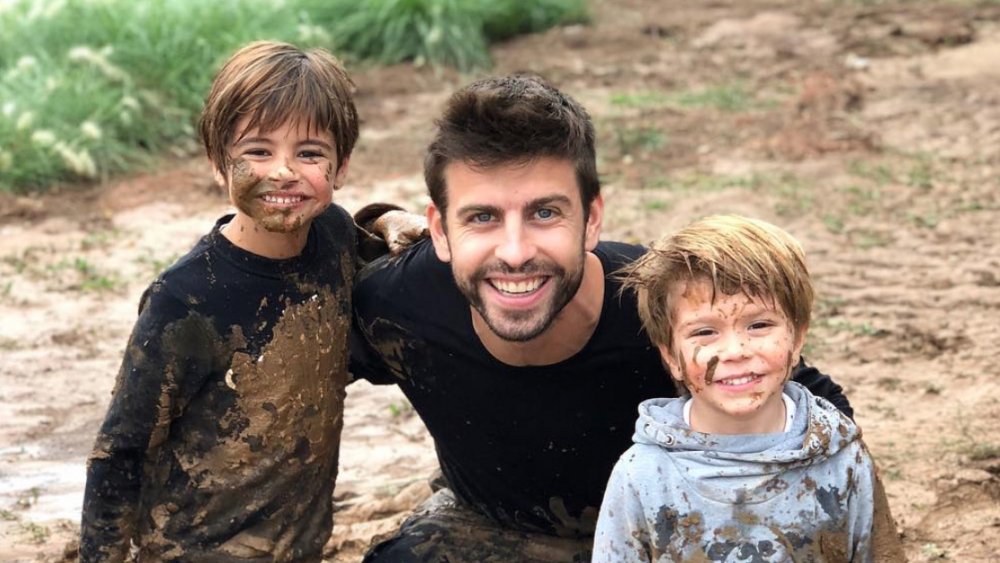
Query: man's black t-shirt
{"x": 531, "y": 447}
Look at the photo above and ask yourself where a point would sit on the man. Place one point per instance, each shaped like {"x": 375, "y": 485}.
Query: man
{"x": 508, "y": 334}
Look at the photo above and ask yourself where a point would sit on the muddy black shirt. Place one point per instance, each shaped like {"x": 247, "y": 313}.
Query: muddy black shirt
{"x": 530, "y": 447}
{"x": 222, "y": 436}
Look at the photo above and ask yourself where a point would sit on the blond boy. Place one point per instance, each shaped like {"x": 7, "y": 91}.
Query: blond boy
{"x": 222, "y": 436}
{"x": 749, "y": 466}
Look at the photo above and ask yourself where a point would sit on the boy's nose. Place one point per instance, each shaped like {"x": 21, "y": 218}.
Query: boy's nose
{"x": 733, "y": 347}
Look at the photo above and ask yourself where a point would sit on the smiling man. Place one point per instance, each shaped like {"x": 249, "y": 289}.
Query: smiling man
{"x": 507, "y": 332}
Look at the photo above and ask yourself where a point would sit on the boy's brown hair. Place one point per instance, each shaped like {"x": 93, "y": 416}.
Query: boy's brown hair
{"x": 512, "y": 119}
{"x": 734, "y": 254}
{"x": 271, "y": 83}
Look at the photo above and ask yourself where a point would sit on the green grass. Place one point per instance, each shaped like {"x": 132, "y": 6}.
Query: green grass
{"x": 92, "y": 88}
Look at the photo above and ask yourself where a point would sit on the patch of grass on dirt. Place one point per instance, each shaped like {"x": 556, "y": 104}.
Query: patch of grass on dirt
{"x": 643, "y": 99}
{"x": 638, "y": 140}
{"x": 733, "y": 97}
{"x": 37, "y": 533}
{"x": 90, "y": 89}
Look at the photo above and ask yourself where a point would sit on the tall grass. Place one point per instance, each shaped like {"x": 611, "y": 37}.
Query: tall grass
{"x": 89, "y": 88}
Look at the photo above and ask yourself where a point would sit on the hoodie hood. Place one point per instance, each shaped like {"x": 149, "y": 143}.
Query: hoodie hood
{"x": 747, "y": 467}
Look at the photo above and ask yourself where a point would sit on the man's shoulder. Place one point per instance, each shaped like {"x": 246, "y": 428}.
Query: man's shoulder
{"x": 416, "y": 279}
{"x": 617, "y": 254}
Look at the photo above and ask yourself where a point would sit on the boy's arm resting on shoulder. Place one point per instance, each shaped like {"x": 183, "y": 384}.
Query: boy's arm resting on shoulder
{"x": 365, "y": 360}
{"x": 622, "y": 533}
{"x": 144, "y": 399}
{"x": 388, "y": 228}
{"x": 822, "y": 385}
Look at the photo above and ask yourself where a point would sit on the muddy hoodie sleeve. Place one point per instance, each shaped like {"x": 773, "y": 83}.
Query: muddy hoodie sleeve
{"x": 822, "y": 385}
{"x": 167, "y": 357}
{"x": 873, "y": 529}
{"x": 622, "y": 533}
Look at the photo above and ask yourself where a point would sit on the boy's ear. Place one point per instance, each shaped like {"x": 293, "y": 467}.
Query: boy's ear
{"x": 341, "y": 177}
{"x": 800, "y": 342}
{"x": 439, "y": 236}
{"x": 670, "y": 362}
{"x": 220, "y": 179}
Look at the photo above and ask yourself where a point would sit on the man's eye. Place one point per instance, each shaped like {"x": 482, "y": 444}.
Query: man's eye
{"x": 482, "y": 218}
{"x": 545, "y": 213}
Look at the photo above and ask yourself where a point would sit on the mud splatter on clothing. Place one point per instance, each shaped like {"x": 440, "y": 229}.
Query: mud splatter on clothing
{"x": 802, "y": 495}
{"x": 222, "y": 438}
{"x": 442, "y": 529}
{"x": 531, "y": 447}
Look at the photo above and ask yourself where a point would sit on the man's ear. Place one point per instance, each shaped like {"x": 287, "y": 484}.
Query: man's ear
{"x": 435, "y": 224}
{"x": 341, "y": 176}
{"x": 594, "y": 219}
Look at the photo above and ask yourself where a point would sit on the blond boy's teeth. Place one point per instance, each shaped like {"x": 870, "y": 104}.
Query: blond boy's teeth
{"x": 737, "y": 380}
{"x": 282, "y": 200}
{"x": 518, "y": 287}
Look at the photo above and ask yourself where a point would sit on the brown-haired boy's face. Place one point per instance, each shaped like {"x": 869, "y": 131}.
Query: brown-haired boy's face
{"x": 281, "y": 180}
{"x": 734, "y": 354}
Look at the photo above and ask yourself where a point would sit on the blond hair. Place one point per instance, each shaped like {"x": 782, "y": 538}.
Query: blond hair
{"x": 734, "y": 254}
{"x": 271, "y": 83}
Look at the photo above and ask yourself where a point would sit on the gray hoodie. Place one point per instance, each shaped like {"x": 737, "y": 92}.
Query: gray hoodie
{"x": 681, "y": 495}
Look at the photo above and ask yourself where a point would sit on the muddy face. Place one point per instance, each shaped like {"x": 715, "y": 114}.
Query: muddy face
{"x": 247, "y": 191}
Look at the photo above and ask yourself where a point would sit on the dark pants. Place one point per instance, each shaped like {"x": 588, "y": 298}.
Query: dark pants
{"x": 441, "y": 530}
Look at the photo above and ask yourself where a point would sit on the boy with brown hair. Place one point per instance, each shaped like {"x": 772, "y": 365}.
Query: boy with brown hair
{"x": 750, "y": 465}
{"x": 221, "y": 441}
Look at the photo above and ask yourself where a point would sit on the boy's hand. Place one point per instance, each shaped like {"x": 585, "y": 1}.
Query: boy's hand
{"x": 400, "y": 229}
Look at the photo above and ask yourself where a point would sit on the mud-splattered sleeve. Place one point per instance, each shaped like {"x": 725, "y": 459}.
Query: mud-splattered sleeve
{"x": 161, "y": 362}
{"x": 873, "y": 528}
{"x": 822, "y": 385}
{"x": 622, "y": 533}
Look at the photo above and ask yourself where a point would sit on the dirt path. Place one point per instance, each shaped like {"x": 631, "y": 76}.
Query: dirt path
{"x": 872, "y": 132}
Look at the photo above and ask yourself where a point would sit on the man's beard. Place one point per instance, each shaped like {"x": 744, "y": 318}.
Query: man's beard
{"x": 524, "y": 325}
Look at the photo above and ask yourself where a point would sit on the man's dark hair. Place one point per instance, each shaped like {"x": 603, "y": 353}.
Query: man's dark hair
{"x": 512, "y": 119}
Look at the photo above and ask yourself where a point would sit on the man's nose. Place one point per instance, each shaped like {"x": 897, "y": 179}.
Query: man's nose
{"x": 517, "y": 247}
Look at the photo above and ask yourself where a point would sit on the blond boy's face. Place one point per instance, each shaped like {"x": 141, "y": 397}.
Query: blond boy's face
{"x": 734, "y": 355}
{"x": 281, "y": 180}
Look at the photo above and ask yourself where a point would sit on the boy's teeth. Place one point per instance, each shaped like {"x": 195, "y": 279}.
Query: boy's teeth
{"x": 524, "y": 286}
{"x": 738, "y": 380}
{"x": 282, "y": 199}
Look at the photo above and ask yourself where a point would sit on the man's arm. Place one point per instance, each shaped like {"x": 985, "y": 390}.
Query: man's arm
{"x": 822, "y": 385}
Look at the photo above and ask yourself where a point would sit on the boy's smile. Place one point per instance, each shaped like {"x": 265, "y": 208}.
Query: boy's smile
{"x": 280, "y": 181}
{"x": 734, "y": 353}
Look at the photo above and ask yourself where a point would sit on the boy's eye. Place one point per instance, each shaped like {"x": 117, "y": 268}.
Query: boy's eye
{"x": 310, "y": 154}
{"x": 702, "y": 332}
{"x": 255, "y": 152}
{"x": 759, "y": 325}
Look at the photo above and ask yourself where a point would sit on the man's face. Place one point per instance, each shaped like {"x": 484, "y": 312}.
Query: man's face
{"x": 516, "y": 238}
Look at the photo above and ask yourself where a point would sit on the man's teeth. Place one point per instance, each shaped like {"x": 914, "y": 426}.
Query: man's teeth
{"x": 282, "y": 200}
{"x": 524, "y": 286}
{"x": 737, "y": 380}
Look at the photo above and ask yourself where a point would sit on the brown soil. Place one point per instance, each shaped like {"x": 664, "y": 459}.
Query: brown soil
{"x": 871, "y": 130}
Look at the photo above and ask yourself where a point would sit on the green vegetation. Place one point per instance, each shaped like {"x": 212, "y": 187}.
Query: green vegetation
{"x": 730, "y": 97}
{"x": 90, "y": 88}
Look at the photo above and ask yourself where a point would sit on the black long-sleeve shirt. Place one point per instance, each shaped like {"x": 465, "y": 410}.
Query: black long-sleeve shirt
{"x": 530, "y": 447}
{"x": 222, "y": 436}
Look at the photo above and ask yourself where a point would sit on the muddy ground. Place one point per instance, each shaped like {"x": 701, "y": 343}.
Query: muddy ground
{"x": 871, "y": 130}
